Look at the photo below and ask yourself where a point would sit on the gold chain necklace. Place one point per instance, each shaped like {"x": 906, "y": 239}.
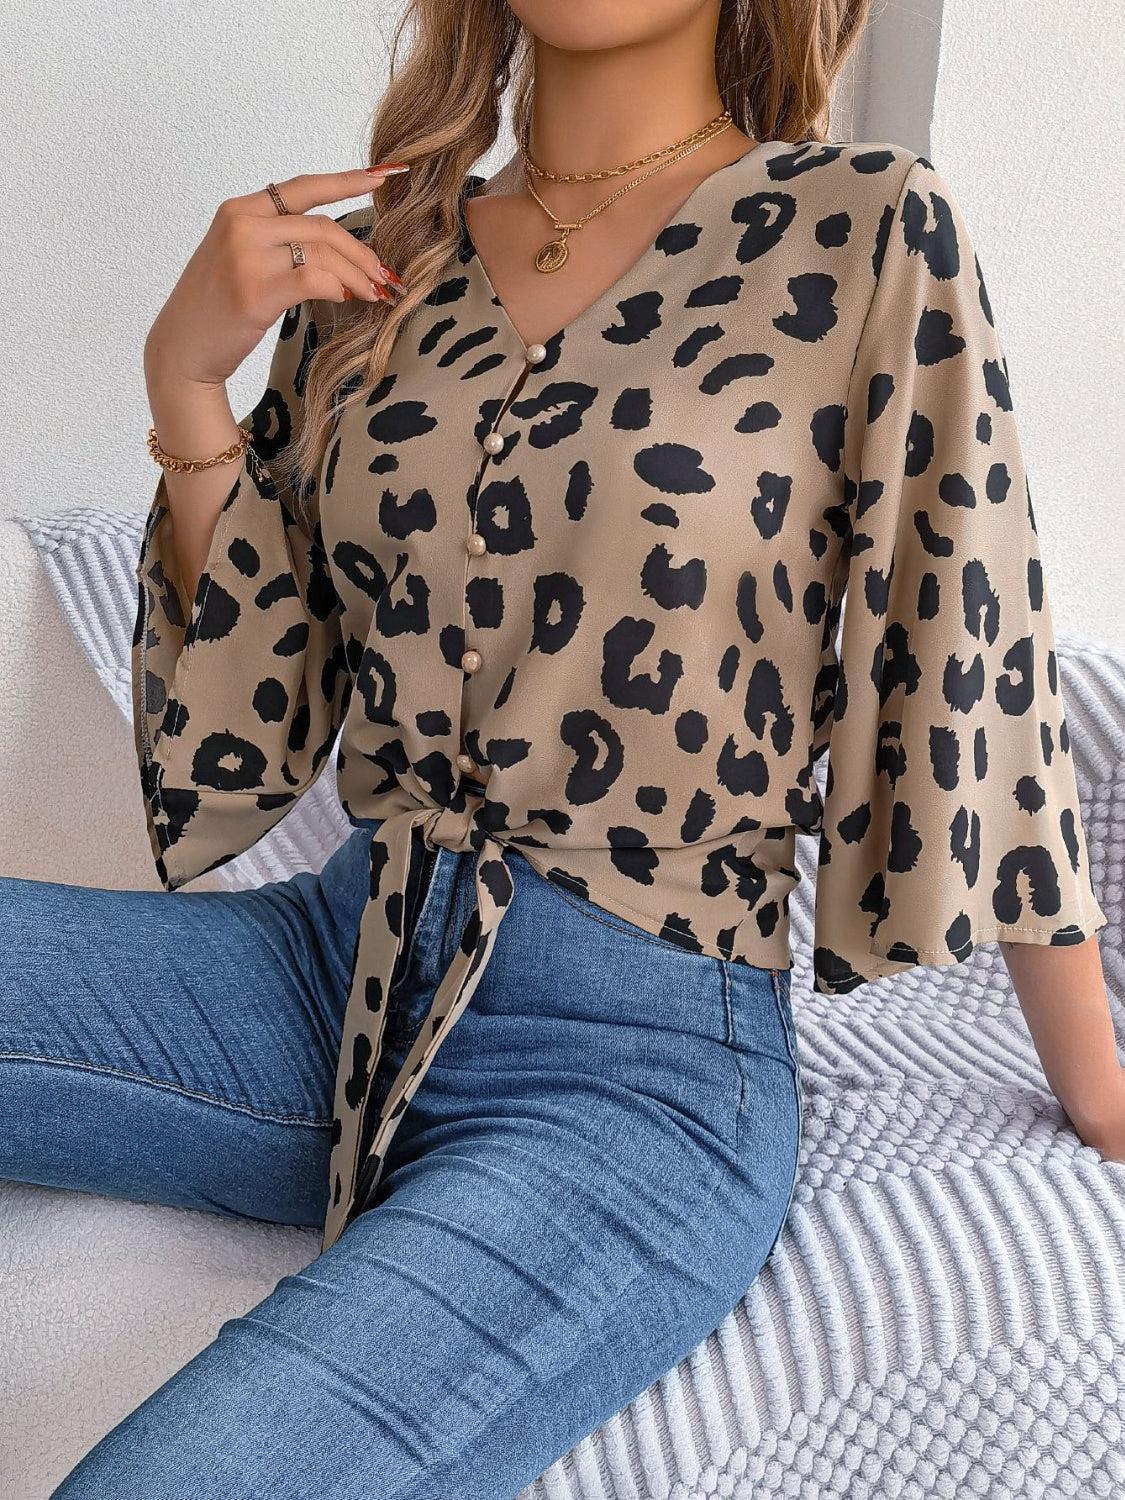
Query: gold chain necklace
{"x": 629, "y": 166}
{"x": 553, "y": 254}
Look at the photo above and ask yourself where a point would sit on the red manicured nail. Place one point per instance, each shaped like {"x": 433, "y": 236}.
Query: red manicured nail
{"x": 381, "y": 291}
{"x": 392, "y": 276}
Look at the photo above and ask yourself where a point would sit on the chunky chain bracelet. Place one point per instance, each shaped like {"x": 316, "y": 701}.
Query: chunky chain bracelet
{"x": 192, "y": 465}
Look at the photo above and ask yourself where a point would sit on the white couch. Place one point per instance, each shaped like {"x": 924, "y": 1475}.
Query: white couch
{"x": 944, "y": 1313}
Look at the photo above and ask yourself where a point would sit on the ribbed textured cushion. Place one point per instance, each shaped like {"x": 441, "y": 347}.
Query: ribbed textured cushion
{"x": 944, "y": 1313}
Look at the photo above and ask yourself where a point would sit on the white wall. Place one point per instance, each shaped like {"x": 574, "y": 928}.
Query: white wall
{"x": 1021, "y": 105}
{"x": 124, "y": 124}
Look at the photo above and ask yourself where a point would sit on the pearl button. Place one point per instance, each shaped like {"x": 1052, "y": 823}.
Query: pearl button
{"x": 466, "y": 763}
{"x": 534, "y": 353}
{"x": 493, "y": 443}
{"x": 471, "y": 661}
{"x": 476, "y": 544}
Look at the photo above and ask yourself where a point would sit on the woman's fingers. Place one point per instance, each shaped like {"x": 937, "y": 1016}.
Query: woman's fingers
{"x": 318, "y": 233}
{"x": 311, "y": 190}
{"x": 240, "y": 278}
{"x": 309, "y": 283}
{"x": 318, "y": 189}
{"x": 320, "y": 257}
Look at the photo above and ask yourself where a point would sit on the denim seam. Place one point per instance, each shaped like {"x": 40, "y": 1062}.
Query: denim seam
{"x": 798, "y": 1091}
{"x": 796, "y": 1167}
{"x": 727, "y": 1006}
{"x": 172, "y": 1088}
{"x": 784, "y": 1016}
{"x": 629, "y": 931}
{"x": 732, "y": 1042}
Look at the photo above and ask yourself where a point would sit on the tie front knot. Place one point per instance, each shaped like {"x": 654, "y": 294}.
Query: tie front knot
{"x": 449, "y": 828}
{"x": 365, "y": 1122}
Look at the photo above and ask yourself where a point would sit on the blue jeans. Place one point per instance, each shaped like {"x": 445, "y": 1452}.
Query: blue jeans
{"x": 595, "y": 1168}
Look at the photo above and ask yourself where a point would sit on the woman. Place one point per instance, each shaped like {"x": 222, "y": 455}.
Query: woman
{"x": 552, "y": 526}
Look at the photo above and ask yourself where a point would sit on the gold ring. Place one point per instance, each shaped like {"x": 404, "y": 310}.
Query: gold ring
{"x": 297, "y": 253}
{"x": 278, "y": 201}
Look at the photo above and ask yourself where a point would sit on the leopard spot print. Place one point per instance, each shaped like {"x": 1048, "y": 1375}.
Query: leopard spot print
{"x": 761, "y": 503}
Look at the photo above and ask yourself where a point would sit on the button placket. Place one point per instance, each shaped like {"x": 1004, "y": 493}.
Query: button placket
{"x": 493, "y": 444}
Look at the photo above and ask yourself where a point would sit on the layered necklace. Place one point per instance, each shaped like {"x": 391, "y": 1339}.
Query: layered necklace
{"x": 553, "y": 254}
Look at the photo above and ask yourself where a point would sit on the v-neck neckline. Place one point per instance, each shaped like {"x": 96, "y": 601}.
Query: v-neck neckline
{"x": 616, "y": 289}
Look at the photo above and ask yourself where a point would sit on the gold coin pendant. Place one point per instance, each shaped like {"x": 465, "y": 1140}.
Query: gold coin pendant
{"x": 551, "y": 256}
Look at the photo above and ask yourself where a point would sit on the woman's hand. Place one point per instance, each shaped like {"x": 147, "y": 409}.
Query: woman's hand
{"x": 241, "y": 277}
{"x": 238, "y": 282}
{"x": 1063, "y": 996}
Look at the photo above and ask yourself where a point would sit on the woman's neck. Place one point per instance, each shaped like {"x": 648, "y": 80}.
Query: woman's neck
{"x": 605, "y": 106}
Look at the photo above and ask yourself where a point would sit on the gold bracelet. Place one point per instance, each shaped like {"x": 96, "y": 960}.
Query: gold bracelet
{"x": 191, "y": 465}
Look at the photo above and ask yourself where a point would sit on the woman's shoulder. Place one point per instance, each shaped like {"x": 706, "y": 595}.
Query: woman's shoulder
{"x": 875, "y": 173}
{"x": 867, "y": 185}
{"x": 894, "y": 171}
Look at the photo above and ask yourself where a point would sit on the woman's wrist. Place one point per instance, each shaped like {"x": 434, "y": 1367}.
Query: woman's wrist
{"x": 191, "y": 420}
{"x": 167, "y": 369}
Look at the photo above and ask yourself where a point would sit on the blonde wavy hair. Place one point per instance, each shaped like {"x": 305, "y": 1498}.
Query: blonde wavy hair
{"x": 775, "y": 63}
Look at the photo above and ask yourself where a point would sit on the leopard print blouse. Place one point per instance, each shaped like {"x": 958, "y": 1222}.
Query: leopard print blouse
{"x": 585, "y": 602}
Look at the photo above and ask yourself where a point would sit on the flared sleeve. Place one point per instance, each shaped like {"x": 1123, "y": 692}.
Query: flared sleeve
{"x": 951, "y": 812}
{"x": 236, "y": 707}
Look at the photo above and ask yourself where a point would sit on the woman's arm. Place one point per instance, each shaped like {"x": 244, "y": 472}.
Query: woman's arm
{"x": 240, "y": 674}
{"x": 237, "y": 283}
{"x": 1063, "y": 996}
{"x": 192, "y": 421}
{"x": 951, "y": 810}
